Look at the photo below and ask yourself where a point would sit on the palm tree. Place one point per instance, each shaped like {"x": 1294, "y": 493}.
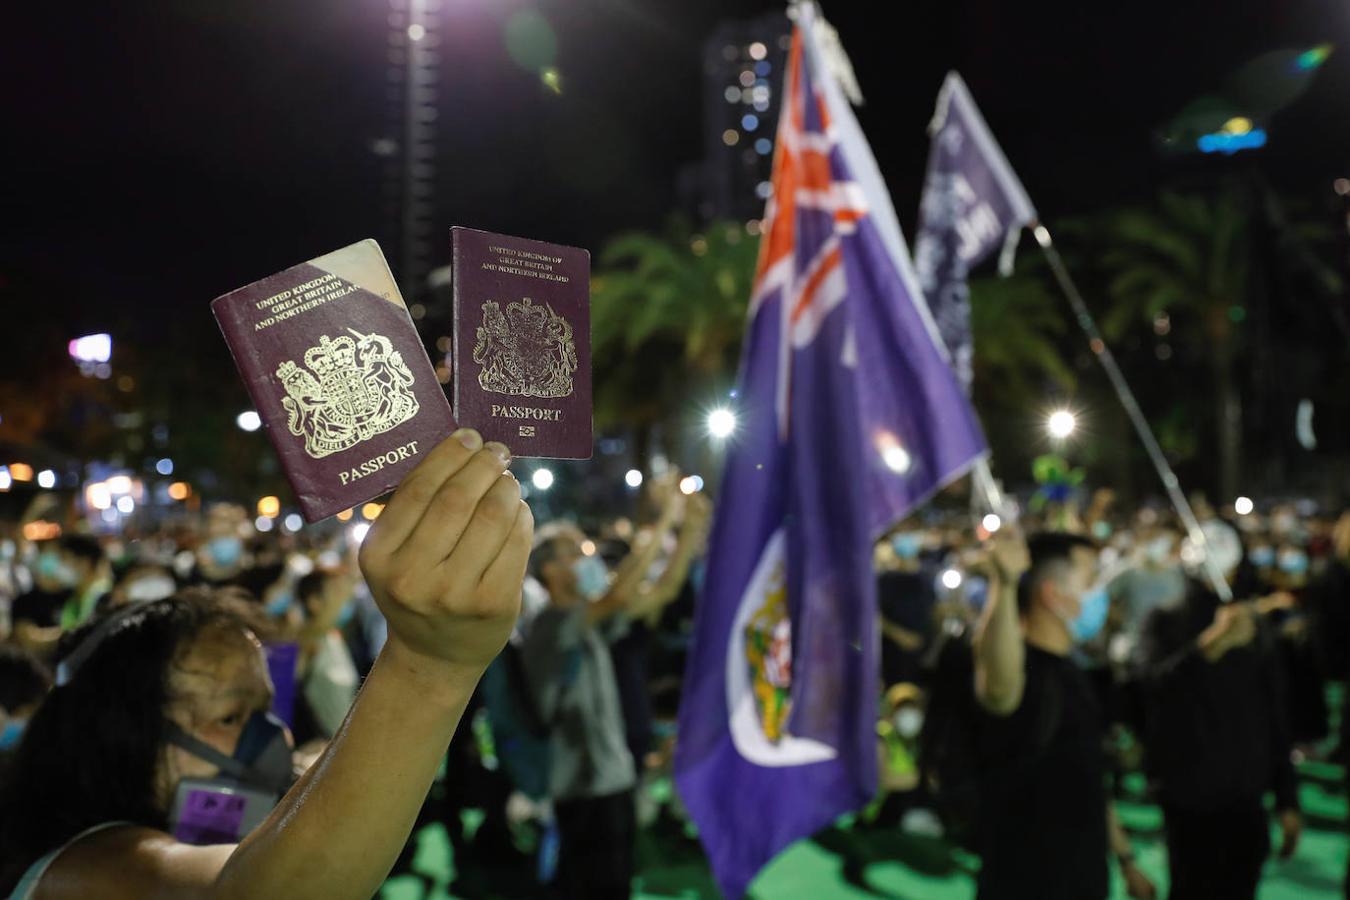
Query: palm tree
{"x": 1187, "y": 256}
{"x": 668, "y": 313}
{"x": 1015, "y": 323}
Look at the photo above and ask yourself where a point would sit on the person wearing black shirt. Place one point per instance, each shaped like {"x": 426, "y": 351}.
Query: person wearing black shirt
{"x": 1045, "y": 828}
{"x": 1216, "y": 734}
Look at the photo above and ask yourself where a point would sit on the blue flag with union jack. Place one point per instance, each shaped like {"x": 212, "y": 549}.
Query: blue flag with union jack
{"x": 851, "y": 416}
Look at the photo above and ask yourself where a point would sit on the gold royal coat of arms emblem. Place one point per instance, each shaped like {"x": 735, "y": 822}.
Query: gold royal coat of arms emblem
{"x": 526, "y": 351}
{"x": 349, "y": 391}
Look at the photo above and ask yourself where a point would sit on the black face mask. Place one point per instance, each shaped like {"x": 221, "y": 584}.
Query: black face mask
{"x": 223, "y": 809}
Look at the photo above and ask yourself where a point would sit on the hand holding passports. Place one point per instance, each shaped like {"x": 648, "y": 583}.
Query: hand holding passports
{"x": 344, "y": 387}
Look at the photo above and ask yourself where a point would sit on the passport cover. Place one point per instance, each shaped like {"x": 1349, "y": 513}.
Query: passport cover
{"x": 522, "y": 342}
{"x": 338, "y": 375}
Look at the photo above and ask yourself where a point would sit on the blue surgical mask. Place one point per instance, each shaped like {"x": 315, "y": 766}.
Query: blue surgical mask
{"x": 1263, "y": 557}
{"x": 279, "y": 604}
{"x": 907, "y": 544}
{"x": 52, "y": 567}
{"x": 1294, "y": 562}
{"x": 225, "y": 551}
{"x": 592, "y": 576}
{"x": 1091, "y": 615}
{"x": 12, "y": 733}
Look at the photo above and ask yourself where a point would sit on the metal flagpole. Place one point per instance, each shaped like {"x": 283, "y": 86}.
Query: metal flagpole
{"x": 1141, "y": 426}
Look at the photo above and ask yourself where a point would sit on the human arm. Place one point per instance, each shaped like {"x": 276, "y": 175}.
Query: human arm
{"x": 445, "y": 563}
{"x": 653, "y": 597}
{"x": 999, "y": 648}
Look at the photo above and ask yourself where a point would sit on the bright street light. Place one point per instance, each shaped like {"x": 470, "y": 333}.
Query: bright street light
{"x": 249, "y": 420}
{"x": 1061, "y": 424}
{"x": 992, "y": 523}
{"x": 951, "y": 579}
{"x": 1243, "y": 506}
{"x": 721, "y": 423}
{"x": 542, "y": 479}
{"x": 633, "y": 478}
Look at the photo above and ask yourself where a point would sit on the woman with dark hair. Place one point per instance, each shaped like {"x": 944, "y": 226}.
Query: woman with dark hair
{"x": 174, "y": 693}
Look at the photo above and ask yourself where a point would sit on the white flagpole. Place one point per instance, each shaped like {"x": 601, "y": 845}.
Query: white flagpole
{"x": 1136, "y": 415}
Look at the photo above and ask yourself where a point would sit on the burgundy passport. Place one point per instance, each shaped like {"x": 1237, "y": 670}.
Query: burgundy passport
{"x": 522, "y": 343}
{"x": 338, "y": 374}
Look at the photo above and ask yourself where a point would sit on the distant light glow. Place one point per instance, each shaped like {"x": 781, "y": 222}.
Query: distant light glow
{"x": 1243, "y": 506}
{"x": 5, "y": 479}
{"x": 371, "y": 511}
{"x": 416, "y": 32}
{"x": 92, "y": 348}
{"x": 1311, "y": 59}
{"x": 763, "y": 146}
{"x": 633, "y": 478}
{"x": 951, "y": 579}
{"x": 588, "y": 547}
{"x": 542, "y": 479}
{"x": 119, "y": 484}
{"x": 758, "y": 50}
{"x": 721, "y": 423}
{"x": 269, "y": 506}
{"x": 732, "y": 94}
{"x": 344, "y": 516}
{"x": 1223, "y": 142}
{"x": 292, "y": 522}
{"x": 357, "y": 533}
{"x": 47, "y": 479}
{"x": 179, "y": 490}
{"x": 21, "y": 471}
{"x": 97, "y": 495}
{"x": 126, "y": 505}
{"x": 1238, "y": 125}
{"x": 991, "y": 523}
{"x": 164, "y": 466}
{"x": 248, "y": 420}
{"x": 749, "y": 121}
{"x": 262, "y": 523}
{"x": 109, "y": 515}
{"x": 691, "y": 484}
{"x": 1061, "y": 424}
{"x": 730, "y": 137}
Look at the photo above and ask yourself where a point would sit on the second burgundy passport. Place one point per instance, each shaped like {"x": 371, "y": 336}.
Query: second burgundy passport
{"x": 522, "y": 343}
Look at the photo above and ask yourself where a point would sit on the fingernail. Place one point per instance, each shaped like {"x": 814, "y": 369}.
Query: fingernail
{"x": 501, "y": 451}
{"x": 469, "y": 438}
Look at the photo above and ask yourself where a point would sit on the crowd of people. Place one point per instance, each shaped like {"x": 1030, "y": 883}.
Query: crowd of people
{"x": 198, "y": 707}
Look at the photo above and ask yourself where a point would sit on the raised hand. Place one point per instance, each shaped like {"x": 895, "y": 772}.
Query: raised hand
{"x": 446, "y": 558}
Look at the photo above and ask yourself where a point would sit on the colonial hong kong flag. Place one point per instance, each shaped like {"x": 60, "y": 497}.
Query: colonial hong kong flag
{"x": 850, "y": 417}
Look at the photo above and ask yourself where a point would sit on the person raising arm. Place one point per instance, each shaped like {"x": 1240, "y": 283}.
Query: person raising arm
{"x": 445, "y": 562}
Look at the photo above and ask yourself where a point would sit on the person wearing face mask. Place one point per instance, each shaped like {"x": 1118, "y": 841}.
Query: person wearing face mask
{"x": 24, "y": 681}
{"x": 72, "y": 570}
{"x": 571, "y": 680}
{"x": 118, "y": 789}
{"x": 220, "y": 560}
{"x": 1214, "y": 726}
{"x": 1045, "y": 828}
{"x": 906, "y": 600}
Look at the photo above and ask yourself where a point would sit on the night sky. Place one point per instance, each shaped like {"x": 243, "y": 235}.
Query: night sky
{"x": 159, "y": 154}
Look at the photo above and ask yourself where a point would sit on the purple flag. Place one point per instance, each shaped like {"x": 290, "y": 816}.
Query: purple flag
{"x": 972, "y": 203}
{"x": 850, "y": 418}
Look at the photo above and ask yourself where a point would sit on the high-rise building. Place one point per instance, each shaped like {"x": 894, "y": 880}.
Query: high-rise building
{"x": 743, "y": 68}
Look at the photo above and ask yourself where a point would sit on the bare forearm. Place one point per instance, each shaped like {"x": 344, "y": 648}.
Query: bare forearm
{"x": 376, "y": 771}
{"x": 999, "y": 653}
{"x": 1120, "y": 841}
